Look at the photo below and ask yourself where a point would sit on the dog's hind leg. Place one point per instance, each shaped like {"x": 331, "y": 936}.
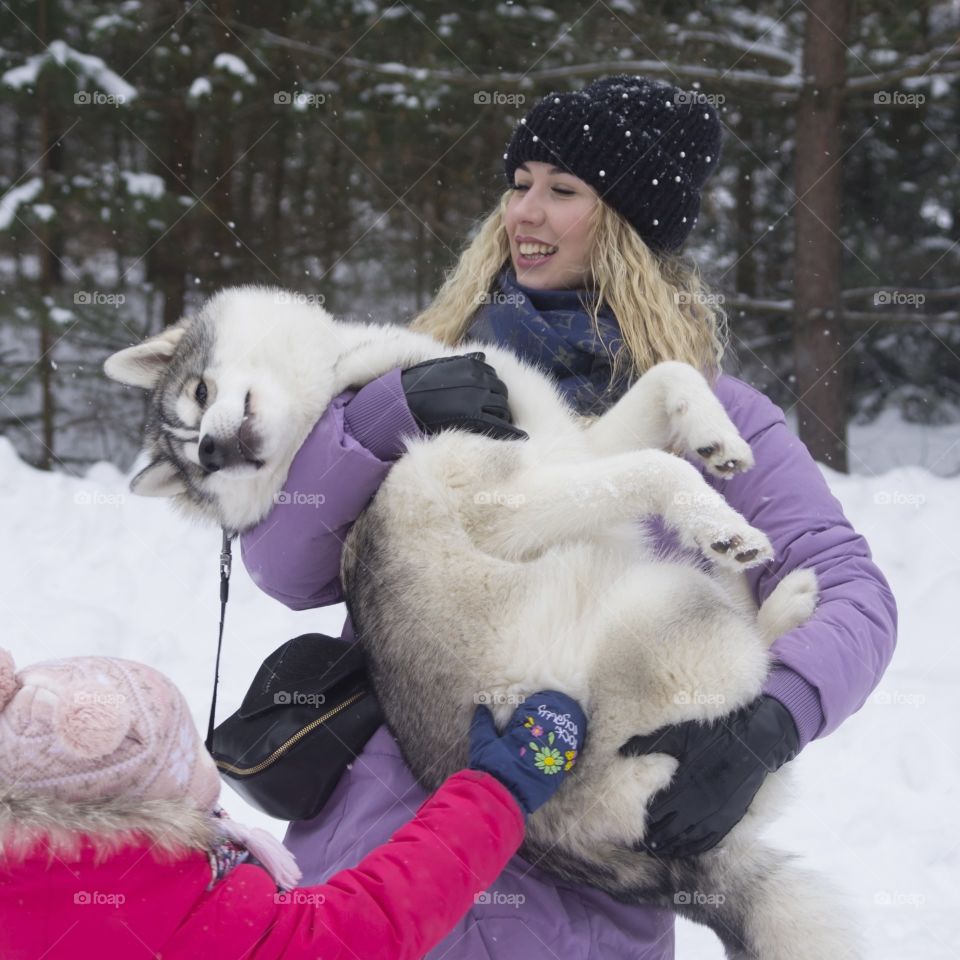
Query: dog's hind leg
{"x": 792, "y": 602}
{"x": 544, "y": 505}
{"x": 672, "y": 407}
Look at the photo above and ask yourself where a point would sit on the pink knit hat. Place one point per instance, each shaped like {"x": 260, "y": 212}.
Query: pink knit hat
{"x": 101, "y": 728}
{"x": 94, "y": 728}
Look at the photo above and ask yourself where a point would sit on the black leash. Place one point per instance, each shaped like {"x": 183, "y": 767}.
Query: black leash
{"x": 225, "y": 560}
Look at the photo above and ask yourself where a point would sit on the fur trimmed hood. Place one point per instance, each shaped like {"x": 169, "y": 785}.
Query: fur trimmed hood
{"x": 171, "y": 826}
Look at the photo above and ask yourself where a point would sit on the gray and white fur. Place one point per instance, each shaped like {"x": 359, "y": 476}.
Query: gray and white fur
{"x": 486, "y": 570}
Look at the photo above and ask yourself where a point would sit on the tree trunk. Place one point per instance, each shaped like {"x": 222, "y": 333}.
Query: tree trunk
{"x": 819, "y": 337}
{"x": 746, "y": 270}
{"x": 51, "y": 248}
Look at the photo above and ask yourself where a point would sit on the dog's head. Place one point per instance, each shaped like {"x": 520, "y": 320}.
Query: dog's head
{"x": 234, "y": 391}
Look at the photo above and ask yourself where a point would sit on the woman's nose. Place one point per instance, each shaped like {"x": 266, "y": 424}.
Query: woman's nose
{"x": 530, "y": 207}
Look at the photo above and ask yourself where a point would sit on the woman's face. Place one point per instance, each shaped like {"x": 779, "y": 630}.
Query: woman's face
{"x": 548, "y": 221}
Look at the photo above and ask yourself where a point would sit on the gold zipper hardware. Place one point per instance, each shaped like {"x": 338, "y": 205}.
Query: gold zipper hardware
{"x": 299, "y": 735}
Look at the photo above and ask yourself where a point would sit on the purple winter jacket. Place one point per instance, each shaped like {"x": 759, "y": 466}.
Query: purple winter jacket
{"x": 823, "y": 672}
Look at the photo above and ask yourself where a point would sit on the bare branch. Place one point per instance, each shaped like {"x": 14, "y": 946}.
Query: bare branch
{"x": 918, "y": 66}
{"x": 785, "y": 308}
{"x": 788, "y": 85}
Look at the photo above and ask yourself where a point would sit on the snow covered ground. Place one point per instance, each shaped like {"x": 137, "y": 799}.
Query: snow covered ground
{"x": 88, "y": 568}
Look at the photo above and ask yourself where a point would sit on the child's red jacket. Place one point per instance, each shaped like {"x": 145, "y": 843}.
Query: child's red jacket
{"x": 139, "y": 885}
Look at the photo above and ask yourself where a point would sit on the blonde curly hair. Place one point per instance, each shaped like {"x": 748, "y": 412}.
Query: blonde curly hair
{"x": 663, "y": 309}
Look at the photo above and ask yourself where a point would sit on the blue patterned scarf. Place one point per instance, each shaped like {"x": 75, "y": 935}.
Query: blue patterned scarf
{"x": 552, "y": 329}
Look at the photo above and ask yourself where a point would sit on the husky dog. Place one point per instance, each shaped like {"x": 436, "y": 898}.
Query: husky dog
{"x": 485, "y": 570}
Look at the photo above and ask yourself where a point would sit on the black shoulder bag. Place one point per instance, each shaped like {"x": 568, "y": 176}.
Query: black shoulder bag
{"x": 308, "y": 713}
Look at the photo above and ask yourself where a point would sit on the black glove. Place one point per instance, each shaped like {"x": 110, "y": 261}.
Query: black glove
{"x": 539, "y": 744}
{"x": 462, "y": 392}
{"x": 722, "y": 765}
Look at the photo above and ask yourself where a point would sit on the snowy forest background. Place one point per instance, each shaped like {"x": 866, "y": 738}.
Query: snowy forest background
{"x": 152, "y": 151}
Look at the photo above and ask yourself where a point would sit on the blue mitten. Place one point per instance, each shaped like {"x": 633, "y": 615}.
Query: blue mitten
{"x": 538, "y": 746}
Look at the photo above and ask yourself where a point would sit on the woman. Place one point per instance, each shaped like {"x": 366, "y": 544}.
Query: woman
{"x": 577, "y": 270}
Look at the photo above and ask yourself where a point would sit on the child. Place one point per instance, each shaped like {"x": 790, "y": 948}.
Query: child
{"x": 112, "y": 844}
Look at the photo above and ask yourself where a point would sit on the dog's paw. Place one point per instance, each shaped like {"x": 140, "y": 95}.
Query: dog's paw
{"x": 705, "y": 432}
{"x": 735, "y": 545}
{"x": 725, "y": 456}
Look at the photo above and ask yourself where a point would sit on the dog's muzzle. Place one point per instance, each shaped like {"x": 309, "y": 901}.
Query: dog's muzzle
{"x": 216, "y": 453}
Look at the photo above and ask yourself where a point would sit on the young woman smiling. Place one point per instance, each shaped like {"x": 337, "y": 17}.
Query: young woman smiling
{"x": 578, "y": 269}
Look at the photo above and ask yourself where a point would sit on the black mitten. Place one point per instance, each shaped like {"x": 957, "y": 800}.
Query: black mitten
{"x": 462, "y": 392}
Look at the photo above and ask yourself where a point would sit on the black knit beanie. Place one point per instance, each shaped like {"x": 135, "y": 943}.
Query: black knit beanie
{"x": 646, "y": 147}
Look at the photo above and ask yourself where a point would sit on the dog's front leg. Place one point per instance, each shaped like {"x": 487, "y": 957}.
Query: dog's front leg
{"x": 544, "y": 505}
{"x": 671, "y": 407}
{"x": 366, "y": 353}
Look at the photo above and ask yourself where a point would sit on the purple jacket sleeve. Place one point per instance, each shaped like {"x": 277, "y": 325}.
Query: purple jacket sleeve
{"x": 826, "y": 668}
{"x": 293, "y": 554}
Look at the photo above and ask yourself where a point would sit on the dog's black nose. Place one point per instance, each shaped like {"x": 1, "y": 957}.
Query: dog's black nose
{"x": 211, "y": 456}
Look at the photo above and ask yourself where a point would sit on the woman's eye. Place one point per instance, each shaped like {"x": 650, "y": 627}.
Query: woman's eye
{"x": 521, "y": 186}
{"x": 200, "y": 394}
{"x": 563, "y": 191}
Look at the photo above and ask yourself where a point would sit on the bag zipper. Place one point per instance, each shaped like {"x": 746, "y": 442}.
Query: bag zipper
{"x": 299, "y": 735}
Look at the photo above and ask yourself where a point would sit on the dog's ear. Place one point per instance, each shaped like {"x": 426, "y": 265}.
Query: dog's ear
{"x": 158, "y": 479}
{"x": 142, "y": 365}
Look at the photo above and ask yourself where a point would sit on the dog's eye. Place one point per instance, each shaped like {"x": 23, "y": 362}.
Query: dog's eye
{"x": 200, "y": 394}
